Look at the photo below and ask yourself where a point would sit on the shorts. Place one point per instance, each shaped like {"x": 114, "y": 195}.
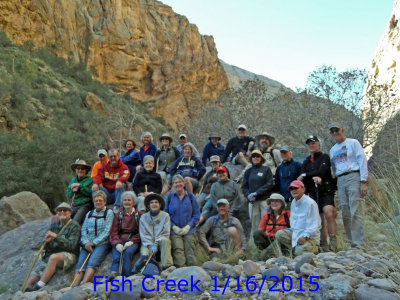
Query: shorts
{"x": 69, "y": 260}
{"x": 324, "y": 200}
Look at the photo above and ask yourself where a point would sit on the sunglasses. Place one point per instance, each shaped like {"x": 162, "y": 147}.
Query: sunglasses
{"x": 256, "y": 155}
{"x": 81, "y": 168}
{"x": 62, "y": 209}
{"x": 241, "y": 129}
{"x": 334, "y": 130}
{"x": 293, "y": 188}
{"x": 101, "y": 155}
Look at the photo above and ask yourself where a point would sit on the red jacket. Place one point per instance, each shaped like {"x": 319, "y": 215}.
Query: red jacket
{"x": 121, "y": 229}
{"x": 269, "y": 225}
{"x": 108, "y": 175}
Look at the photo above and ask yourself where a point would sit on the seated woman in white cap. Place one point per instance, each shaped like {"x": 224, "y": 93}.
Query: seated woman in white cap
{"x": 80, "y": 191}
{"x": 103, "y": 160}
{"x": 60, "y": 251}
{"x": 146, "y": 181}
{"x": 276, "y": 218}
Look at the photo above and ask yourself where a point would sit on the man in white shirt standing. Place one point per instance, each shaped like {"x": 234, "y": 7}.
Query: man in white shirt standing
{"x": 349, "y": 164}
{"x": 305, "y": 223}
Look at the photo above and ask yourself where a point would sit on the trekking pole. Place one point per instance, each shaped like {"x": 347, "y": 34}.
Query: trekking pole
{"x": 158, "y": 160}
{"x": 80, "y": 270}
{"x": 316, "y": 189}
{"x": 199, "y": 193}
{"x": 37, "y": 257}
{"x": 121, "y": 259}
{"x": 145, "y": 186}
{"x": 73, "y": 198}
{"x": 145, "y": 265}
{"x": 252, "y": 220}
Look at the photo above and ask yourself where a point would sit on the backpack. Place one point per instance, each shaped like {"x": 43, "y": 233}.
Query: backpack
{"x": 273, "y": 158}
{"x": 151, "y": 269}
{"x": 121, "y": 216}
{"x": 287, "y": 222}
{"x": 97, "y": 217}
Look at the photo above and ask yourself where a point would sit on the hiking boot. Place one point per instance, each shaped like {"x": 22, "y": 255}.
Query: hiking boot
{"x": 33, "y": 288}
{"x": 333, "y": 243}
{"x": 324, "y": 247}
{"x": 112, "y": 276}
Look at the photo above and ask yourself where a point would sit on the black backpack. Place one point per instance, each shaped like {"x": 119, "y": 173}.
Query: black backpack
{"x": 104, "y": 216}
{"x": 151, "y": 269}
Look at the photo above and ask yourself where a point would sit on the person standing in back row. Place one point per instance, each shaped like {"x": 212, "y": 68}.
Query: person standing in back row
{"x": 239, "y": 146}
{"x": 350, "y": 166}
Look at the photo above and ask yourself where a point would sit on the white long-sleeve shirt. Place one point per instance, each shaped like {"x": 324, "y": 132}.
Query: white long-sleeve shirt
{"x": 304, "y": 219}
{"x": 349, "y": 156}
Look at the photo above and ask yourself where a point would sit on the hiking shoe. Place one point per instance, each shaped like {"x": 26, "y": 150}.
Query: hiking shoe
{"x": 333, "y": 243}
{"x": 112, "y": 276}
{"x": 33, "y": 288}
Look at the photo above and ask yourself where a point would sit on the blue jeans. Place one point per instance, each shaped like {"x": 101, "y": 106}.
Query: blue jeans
{"x": 96, "y": 258}
{"x": 114, "y": 197}
{"x": 127, "y": 259}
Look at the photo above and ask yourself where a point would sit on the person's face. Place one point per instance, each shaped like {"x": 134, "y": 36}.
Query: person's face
{"x": 214, "y": 140}
{"x": 276, "y": 205}
{"x": 256, "y": 158}
{"x": 182, "y": 140}
{"x": 179, "y": 185}
{"x": 114, "y": 158}
{"x": 81, "y": 171}
{"x": 154, "y": 205}
{"x": 165, "y": 142}
{"x": 99, "y": 203}
{"x": 222, "y": 175}
{"x": 148, "y": 165}
{"x": 264, "y": 142}
{"x": 223, "y": 210}
{"x": 286, "y": 155}
{"x": 313, "y": 147}
{"x": 103, "y": 158}
{"x": 337, "y": 134}
{"x": 146, "y": 140}
{"x": 297, "y": 192}
{"x": 241, "y": 132}
{"x": 129, "y": 146}
{"x": 128, "y": 202}
{"x": 215, "y": 165}
{"x": 64, "y": 214}
{"x": 187, "y": 152}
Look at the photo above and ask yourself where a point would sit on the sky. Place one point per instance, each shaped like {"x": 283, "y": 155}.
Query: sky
{"x": 287, "y": 39}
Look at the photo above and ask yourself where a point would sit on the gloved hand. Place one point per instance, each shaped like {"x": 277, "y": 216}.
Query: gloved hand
{"x": 119, "y": 248}
{"x": 252, "y": 197}
{"x": 153, "y": 249}
{"x": 128, "y": 244}
{"x": 185, "y": 230}
{"x": 177, "y": 230}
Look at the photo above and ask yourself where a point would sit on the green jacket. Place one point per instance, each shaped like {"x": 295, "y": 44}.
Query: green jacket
{"x": 66, "y": 242}
{"x": 84, "y": 193}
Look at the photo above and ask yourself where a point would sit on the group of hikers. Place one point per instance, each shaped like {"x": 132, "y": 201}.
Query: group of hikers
{"x": 152, "y": 201}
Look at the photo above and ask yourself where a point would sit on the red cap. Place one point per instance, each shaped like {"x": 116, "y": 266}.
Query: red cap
{"x": 296, "y": 183}
{"x": 222, "y": 169}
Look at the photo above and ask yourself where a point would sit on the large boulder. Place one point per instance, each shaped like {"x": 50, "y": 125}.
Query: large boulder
{"x": 21, "y": 208}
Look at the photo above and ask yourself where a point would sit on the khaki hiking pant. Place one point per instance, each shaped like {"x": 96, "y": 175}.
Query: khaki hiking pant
{"x": 183, "y": 250}
{"x": 260, "y": 208}
{"x": 164, "y": 246}
{"x": 284, "y": 238}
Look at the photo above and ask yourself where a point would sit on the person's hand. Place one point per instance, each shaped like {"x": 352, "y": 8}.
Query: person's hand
{"x": 364, "y": 189}
{"x": 153, "y": 249}
{"x": 177, "y": 230}
{"x": 185, "y": 230}
{"x": 317, "y": 179}
{"x": 215, "y": 250}
{"x": 300, "y": 178}
{"x": 252, "y": 197}
{"x": 207, "y": 197}
{"x": 248, "y": 153}
{"x": 50, "y": 235}
{"x": 74, "y": 187}
{"x": 89, "y": 246}
{"x": 301, "y": 241}
{"x": 95, "y": 187}
{"x": 138, "y": 167}
{"x": 119, "y": 248}
{"x": 128, "y": 244}
{"x": 118, "y": 185}
{"x": 240, "y": 253}
{"x": 201, "y": 220}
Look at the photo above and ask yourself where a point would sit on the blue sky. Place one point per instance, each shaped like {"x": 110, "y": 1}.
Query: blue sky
{"x": 286, "y": 39}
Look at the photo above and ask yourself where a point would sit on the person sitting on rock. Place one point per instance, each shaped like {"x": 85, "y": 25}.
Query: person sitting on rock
{"x": 146, "y": 181}
{"x": 182, "y": 141}
{"x": 165, "y": 158}
{"x": 213, "y": 147}
{"x": 112, "y": 179}
{"x": 148, "y": 147}
{"x": 184, "y": 214}
{"x": 189, "y": 167}
{"x": 131, "y": 158}
{"x": 305, "y": 223}
{"x": 61, "y": 250}
{"x": 95, "y": 235}
{"x": 103, "y": 160}
{"x": 154, "y": 228}
{"x": 224, "y": 231}
{"x": 124, "y": 235}
{"x": 210, "y": 178}
{"x": 224, "y": 188}
{"x": 239, "y": 147}
{"x": 80, "y": 191}
{"x": 276, "y": 218}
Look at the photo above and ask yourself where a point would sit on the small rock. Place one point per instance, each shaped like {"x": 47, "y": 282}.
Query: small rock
{"x": 306, "y": 269}
{"x": 38, "y": 295}
{"x": 212, "y": 266}
{"x": 305, "y": 258}
{"x": 337, "y": 286}
{"x": 275, "y": 271}
{"x": 335, "y": 267}
{"x": 395, "y": 276}
{"x": 250, "y": 268}
{"x": 233, "y": 271}
{"x": 366, "y": 292}
{"x": 321, "y": 272}
{"x": 385, "y": 284}
{"x": 76, "y": 294}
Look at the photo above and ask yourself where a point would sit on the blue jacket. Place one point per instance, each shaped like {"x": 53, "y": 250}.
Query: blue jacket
{"x": 284, "y": 175}
{"x": 150, "y": 151}
{"x": 183, "y": 212}
{"x": 131, "y": 158}
{"x": 210, "y": 150}
{"x": 195, "y": 164}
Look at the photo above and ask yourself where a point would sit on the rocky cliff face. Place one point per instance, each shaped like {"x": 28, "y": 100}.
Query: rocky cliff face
{"x": 140, "y": 46}
{"x": 382, "y": 98}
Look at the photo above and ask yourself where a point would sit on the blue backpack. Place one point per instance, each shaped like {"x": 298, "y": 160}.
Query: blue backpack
{"x": 151, "y": 269}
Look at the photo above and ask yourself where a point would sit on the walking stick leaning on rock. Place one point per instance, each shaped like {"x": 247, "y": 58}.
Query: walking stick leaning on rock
{"x": 38, "y": 255}
{"x": 145, "y": 265}
{"x": 121, "y": 260}
{"x": 80, "y": 270}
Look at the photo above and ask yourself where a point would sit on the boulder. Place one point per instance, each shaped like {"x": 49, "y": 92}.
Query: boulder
{"x": 14, "y": 212}
{"x": 94, "y": 102}
{"x": 366, "y": 292}
{"x": 250, "y": 268}
{"x": 191, "y": 274}
{"x": 337, "y": 286}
